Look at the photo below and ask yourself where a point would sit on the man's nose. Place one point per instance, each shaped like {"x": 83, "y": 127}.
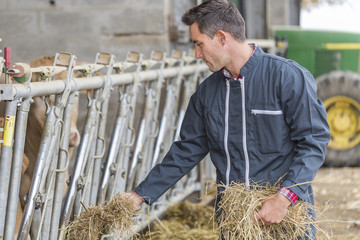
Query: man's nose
{"x": 198, "y": 54}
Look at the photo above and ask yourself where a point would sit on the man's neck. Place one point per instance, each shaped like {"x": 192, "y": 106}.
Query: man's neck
{"x": 238, "y": 58}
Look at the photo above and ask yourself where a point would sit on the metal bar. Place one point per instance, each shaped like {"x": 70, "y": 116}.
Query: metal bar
{"x": 5, "y": 161}
{"x": 114, "y": 147}
{"x": 87, "y": 174}
{"x": 100, "y": 144}
{"x": 148, "y": 120}
{"x": 63, "y": 163}
{"x": 37, "y": 89}
{"x": 42, "y": 216}
{"x": 82, "y": 155}
{"x": 14, "y": 187}
{"x": 39, "y": 171}
{"x": 46, "y": 212}
{"x": 121, "y": 164}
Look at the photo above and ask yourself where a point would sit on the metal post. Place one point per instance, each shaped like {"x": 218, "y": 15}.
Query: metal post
{"x": 114, "y": 147}
{"x": 100, "y": 144}
{"x": 87, "y": 174}
{"x": 82, "y": 155}
{"x": 38, "y": 173}
{"x": 116, "y": 157}
{"x": 169, "y": 111}
{"x": 16, "y": 169}
{"x": 62, "y": 167}
{"x": 42, "y": 216}
{"x": 5, "y": 161}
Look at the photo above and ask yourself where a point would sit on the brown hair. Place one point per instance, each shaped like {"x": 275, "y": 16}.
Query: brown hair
{"x": 214, "y": 15}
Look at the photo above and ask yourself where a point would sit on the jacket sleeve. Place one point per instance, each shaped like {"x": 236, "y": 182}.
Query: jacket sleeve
{"x": 306, "y": 117}
{"x": 182, "y": 156}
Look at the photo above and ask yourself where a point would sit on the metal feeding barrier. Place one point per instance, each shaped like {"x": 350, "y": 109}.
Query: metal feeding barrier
{"x": 101, "y": 168}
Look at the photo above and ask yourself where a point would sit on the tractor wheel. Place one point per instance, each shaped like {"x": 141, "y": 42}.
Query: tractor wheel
{"x": 340, "y": 92}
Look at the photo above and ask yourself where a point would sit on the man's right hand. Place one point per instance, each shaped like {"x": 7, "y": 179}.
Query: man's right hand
{"x": 135, "y": 197}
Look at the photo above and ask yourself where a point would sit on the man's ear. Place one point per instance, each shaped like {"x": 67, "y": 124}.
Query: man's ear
{"x": 221, "y": 36}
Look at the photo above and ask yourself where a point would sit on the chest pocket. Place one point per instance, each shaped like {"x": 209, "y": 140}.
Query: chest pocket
{"x": 270, "y": 130}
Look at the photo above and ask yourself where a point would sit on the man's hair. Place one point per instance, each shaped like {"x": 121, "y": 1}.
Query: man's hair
{"x": 214, "y": 15}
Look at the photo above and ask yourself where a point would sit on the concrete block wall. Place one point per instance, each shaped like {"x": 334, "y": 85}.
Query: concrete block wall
{"x": 34, "y": 28}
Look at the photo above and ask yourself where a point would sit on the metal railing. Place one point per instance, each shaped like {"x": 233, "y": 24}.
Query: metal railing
{"x": 101, "y": 168}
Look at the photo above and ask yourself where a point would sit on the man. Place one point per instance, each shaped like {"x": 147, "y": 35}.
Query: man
{"x": 257, "y": 115}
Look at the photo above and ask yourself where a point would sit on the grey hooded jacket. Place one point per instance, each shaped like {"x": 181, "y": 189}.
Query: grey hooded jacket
{"x": 267, "y": 125}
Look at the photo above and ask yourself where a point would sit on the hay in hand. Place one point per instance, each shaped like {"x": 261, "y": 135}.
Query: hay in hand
{"x": 238, "y": 206}
{"x": 115, "y": 216}
{"x": 185, "y": 221}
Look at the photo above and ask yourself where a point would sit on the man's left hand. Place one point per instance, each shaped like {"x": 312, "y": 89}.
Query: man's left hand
{"x": 273, "y": 210}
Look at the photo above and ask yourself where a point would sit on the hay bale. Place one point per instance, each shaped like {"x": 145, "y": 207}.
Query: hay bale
{"x": 115, "y": 216}
{"x": 184, "y": 221}
{"x": 238, "y": 206}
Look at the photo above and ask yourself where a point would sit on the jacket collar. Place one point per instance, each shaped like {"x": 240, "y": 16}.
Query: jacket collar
{"x": 253, "y": 60}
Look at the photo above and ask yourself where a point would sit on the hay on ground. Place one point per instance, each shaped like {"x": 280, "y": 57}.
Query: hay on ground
{"x": 238, "y": 206}
{"x": 115, "y": 216}
{"x": 185, "y": 221}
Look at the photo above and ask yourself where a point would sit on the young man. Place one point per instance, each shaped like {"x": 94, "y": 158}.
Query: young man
{"x": 257, "y": 115}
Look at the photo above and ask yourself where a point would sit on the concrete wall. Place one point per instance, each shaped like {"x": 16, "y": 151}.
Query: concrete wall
{"x": 34, "y": 28}
{"x": 261, "y": 15}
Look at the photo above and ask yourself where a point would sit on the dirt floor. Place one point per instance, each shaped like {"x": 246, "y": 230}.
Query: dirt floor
{"x": 339, "y": 189}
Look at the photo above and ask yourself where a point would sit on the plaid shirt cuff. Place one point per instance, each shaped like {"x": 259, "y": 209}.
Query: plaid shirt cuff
{"x": 289, "y": 194}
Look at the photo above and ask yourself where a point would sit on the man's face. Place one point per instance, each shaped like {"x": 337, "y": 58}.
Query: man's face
{"x": 209, "y": 50}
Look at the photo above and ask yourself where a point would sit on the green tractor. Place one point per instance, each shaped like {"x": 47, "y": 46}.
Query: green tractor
{"x": 334, "y": 60}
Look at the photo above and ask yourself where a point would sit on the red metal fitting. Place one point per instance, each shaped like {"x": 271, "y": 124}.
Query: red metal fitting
{"x": 7, "y": 56}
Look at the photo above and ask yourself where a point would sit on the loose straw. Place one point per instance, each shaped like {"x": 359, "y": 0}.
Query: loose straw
{"x": 114, "y": 217}
{"x": 184, "y": 221}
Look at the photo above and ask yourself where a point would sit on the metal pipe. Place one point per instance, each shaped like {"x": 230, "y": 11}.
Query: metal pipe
{"x": 82, "y": 155}
{"x": 63, "y": 163}
{"x": 14, "y": 187}
{"x": 121, "y": 162}
{"x": 88, "y": 171}
{"x": 100, "y": 144}
{"x": 5, "y": 162}
{"x": 37, "y": 89}
{"x": 39, "y": 171}
{"x": 117, "y": 136}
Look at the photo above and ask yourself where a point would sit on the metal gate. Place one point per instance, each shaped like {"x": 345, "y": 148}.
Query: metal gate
{"x": 140, "y": 136}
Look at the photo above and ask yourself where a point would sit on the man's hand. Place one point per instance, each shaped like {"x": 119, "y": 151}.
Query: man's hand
{"x": 135, "y": 197}
{"x": 273, "y": 210}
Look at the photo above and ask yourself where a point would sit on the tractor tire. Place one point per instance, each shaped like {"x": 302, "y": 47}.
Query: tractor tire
{"x": 340, "y": 92}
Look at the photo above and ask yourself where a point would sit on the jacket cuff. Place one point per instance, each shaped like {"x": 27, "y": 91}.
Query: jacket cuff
{"x": 146, "y": 199}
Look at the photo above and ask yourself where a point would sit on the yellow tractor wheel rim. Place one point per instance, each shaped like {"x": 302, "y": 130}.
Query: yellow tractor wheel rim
{"x": 344, "y": 119}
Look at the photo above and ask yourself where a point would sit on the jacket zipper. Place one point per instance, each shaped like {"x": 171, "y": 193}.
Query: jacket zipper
{"x": 247, "y": 164}
{"x": 226, "y": 134}
{"x": 266, "y": 112}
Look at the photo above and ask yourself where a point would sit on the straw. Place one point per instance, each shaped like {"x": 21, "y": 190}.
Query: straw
{"x": 114, "y": 217}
